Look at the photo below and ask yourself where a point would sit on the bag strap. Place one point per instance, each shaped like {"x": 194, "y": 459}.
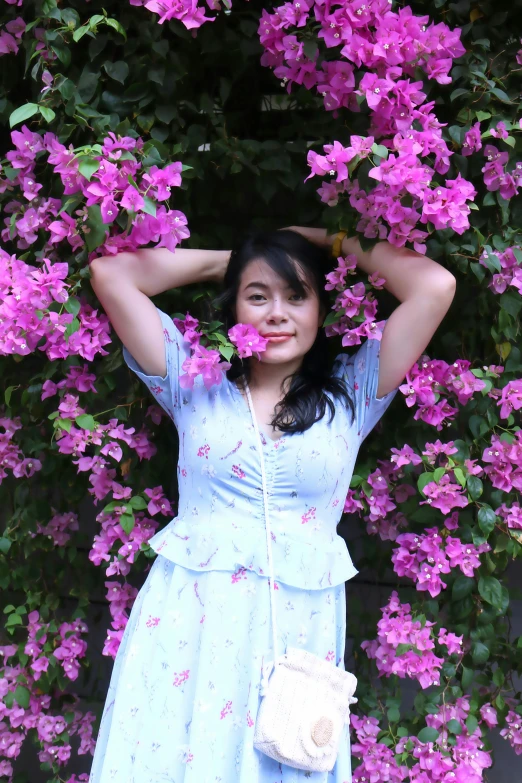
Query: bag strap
{"x": 267, "y": 523}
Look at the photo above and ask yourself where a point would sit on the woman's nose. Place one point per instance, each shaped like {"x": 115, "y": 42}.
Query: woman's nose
{"x": 277, "y": 311}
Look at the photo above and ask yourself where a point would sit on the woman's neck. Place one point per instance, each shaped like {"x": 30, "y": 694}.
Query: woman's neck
{"x": 270, "y": 377}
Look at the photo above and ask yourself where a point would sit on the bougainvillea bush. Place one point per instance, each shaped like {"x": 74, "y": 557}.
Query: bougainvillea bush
{"x": 174, "y": 123}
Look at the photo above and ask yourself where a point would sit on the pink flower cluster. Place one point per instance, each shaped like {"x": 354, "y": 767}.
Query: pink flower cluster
{"x": 504, "y": 460}
{"x": 247, "y": 340}
{"x": 59, "y": 528}
{"x": 11, "y": 36}
{"x": 206, "y": 361}
{"x": 369, "y": 35}
{"x": 188, "y": 12}
{"x": 430, "y": 383}
{"x": 511, "y": 270}
{"x": 17, "y": 721}
{"x": 461, "y": 761}
{"x": 76, "y": 377}
{"x": 11, "y": 456}
{"x": 400, "y": 175}
{"x": 513, "y": 731}
{"x": 404, "y": 646}
{"x": 496, "y": 175}
{"x": 27, "y": 296}
{"x": 511, "y": 515}
{"x": 107, "y": 176}
{"x": 423, "y": 557}
{"x": 121, "y": 598}
{"x": 390, "y": 46}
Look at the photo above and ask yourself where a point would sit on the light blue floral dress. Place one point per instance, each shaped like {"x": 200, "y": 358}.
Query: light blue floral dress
{"x": 184, "y": 691}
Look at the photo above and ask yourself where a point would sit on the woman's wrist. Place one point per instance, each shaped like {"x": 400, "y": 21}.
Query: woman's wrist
{"x": 219, "y": 263}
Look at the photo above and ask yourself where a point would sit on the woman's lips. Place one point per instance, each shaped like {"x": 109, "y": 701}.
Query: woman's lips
{"x": 281, "y": 338}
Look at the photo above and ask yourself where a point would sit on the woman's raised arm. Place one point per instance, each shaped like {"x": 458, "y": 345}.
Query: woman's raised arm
{"x": 123, "y": 283}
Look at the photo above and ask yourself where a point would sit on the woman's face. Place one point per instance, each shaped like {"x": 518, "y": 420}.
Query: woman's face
{"x": 289, "y": 320}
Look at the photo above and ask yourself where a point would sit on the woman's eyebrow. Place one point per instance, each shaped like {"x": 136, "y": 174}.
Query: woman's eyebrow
{"x": 256, "y": 284}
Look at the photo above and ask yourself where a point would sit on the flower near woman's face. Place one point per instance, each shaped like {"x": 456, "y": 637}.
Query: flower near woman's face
{"x": 247, "y": 340}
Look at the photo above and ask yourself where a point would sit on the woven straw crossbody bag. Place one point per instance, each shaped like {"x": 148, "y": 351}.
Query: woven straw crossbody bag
{"x": 305, "y": 700}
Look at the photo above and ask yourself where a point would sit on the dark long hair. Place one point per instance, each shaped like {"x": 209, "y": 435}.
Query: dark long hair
{"x": 306, "y": 400}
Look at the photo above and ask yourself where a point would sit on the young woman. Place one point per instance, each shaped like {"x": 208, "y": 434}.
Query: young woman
{"x": 184, "y": 692}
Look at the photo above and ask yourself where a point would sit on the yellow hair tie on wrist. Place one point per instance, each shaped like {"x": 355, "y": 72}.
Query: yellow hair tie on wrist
{"x": 338, "y": 243}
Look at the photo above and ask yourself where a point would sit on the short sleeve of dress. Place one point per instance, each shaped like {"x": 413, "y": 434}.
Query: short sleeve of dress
{"x": 167, "y": 390}
{"x": 361, "y": 374}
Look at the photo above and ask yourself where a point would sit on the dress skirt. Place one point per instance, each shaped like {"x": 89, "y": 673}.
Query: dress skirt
{"x": 184, "y": 690}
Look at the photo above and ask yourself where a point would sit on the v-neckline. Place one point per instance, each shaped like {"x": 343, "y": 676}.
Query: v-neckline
{"x": 244, "y": 400}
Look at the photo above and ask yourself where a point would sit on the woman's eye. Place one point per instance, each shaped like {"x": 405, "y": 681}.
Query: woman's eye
{"x": 256, "y": 295}
{"x": 299, "y": 296}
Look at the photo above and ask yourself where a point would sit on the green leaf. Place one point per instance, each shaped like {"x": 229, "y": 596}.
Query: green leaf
{"x": 454, "y": 726}
{"x": 459, "y": 475}
{"x": 127, "y": 522}
{"x": 486, "y": 519}
{"x": 5, "y": 545}
{"x": 95, "y": 20}
{"x": 491, "y": 591}
{"x": 87, "y": 167}
{"x": 23, "y": 113}
{"x": 9, "y": 608}
{"x": 467, "y": 677}
{"x": 72, "y": 327}
{"x": 13, "y": 619}
{"x": 393, "y": 715}
{"x": 22, "y": 696}
{"x": 498, "y": 678}
{"x": 474, "y": 487}
{"x": 423, "y": 480}
{"x": 462, "y": 586}
{"x": 80, "y": 32}
{"x": 63, "y": 424}
{"x": 310, "y": 49}
{"x": 118, "y": 70}
{"x": 166, "y": 113}
{"x": 85, "y": 421}
{"x": 478, "y": 426}
{"x": 96, "y": 228}
{"x": 478, "y": 270}
{"x": 7, "y": 394}
{"x": 226, "y": 351}
{"x": 501, "y": 95}
{"x": 72, "y": 305}
{"x": 380, "y": 150}
{"x": 479, "y": 653}
{"x": 471, "y": 724}
{"x": 47, "y": 113}
{"x": 458, "y": 92}
{"x": 511, "y": 303}
{"x": 428, "y": 734}
{"x": 438, "y": 474}
{"x": 149, "y": 206}
{"x": 116, "y": 26}
{"x": 137, "y": 503}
